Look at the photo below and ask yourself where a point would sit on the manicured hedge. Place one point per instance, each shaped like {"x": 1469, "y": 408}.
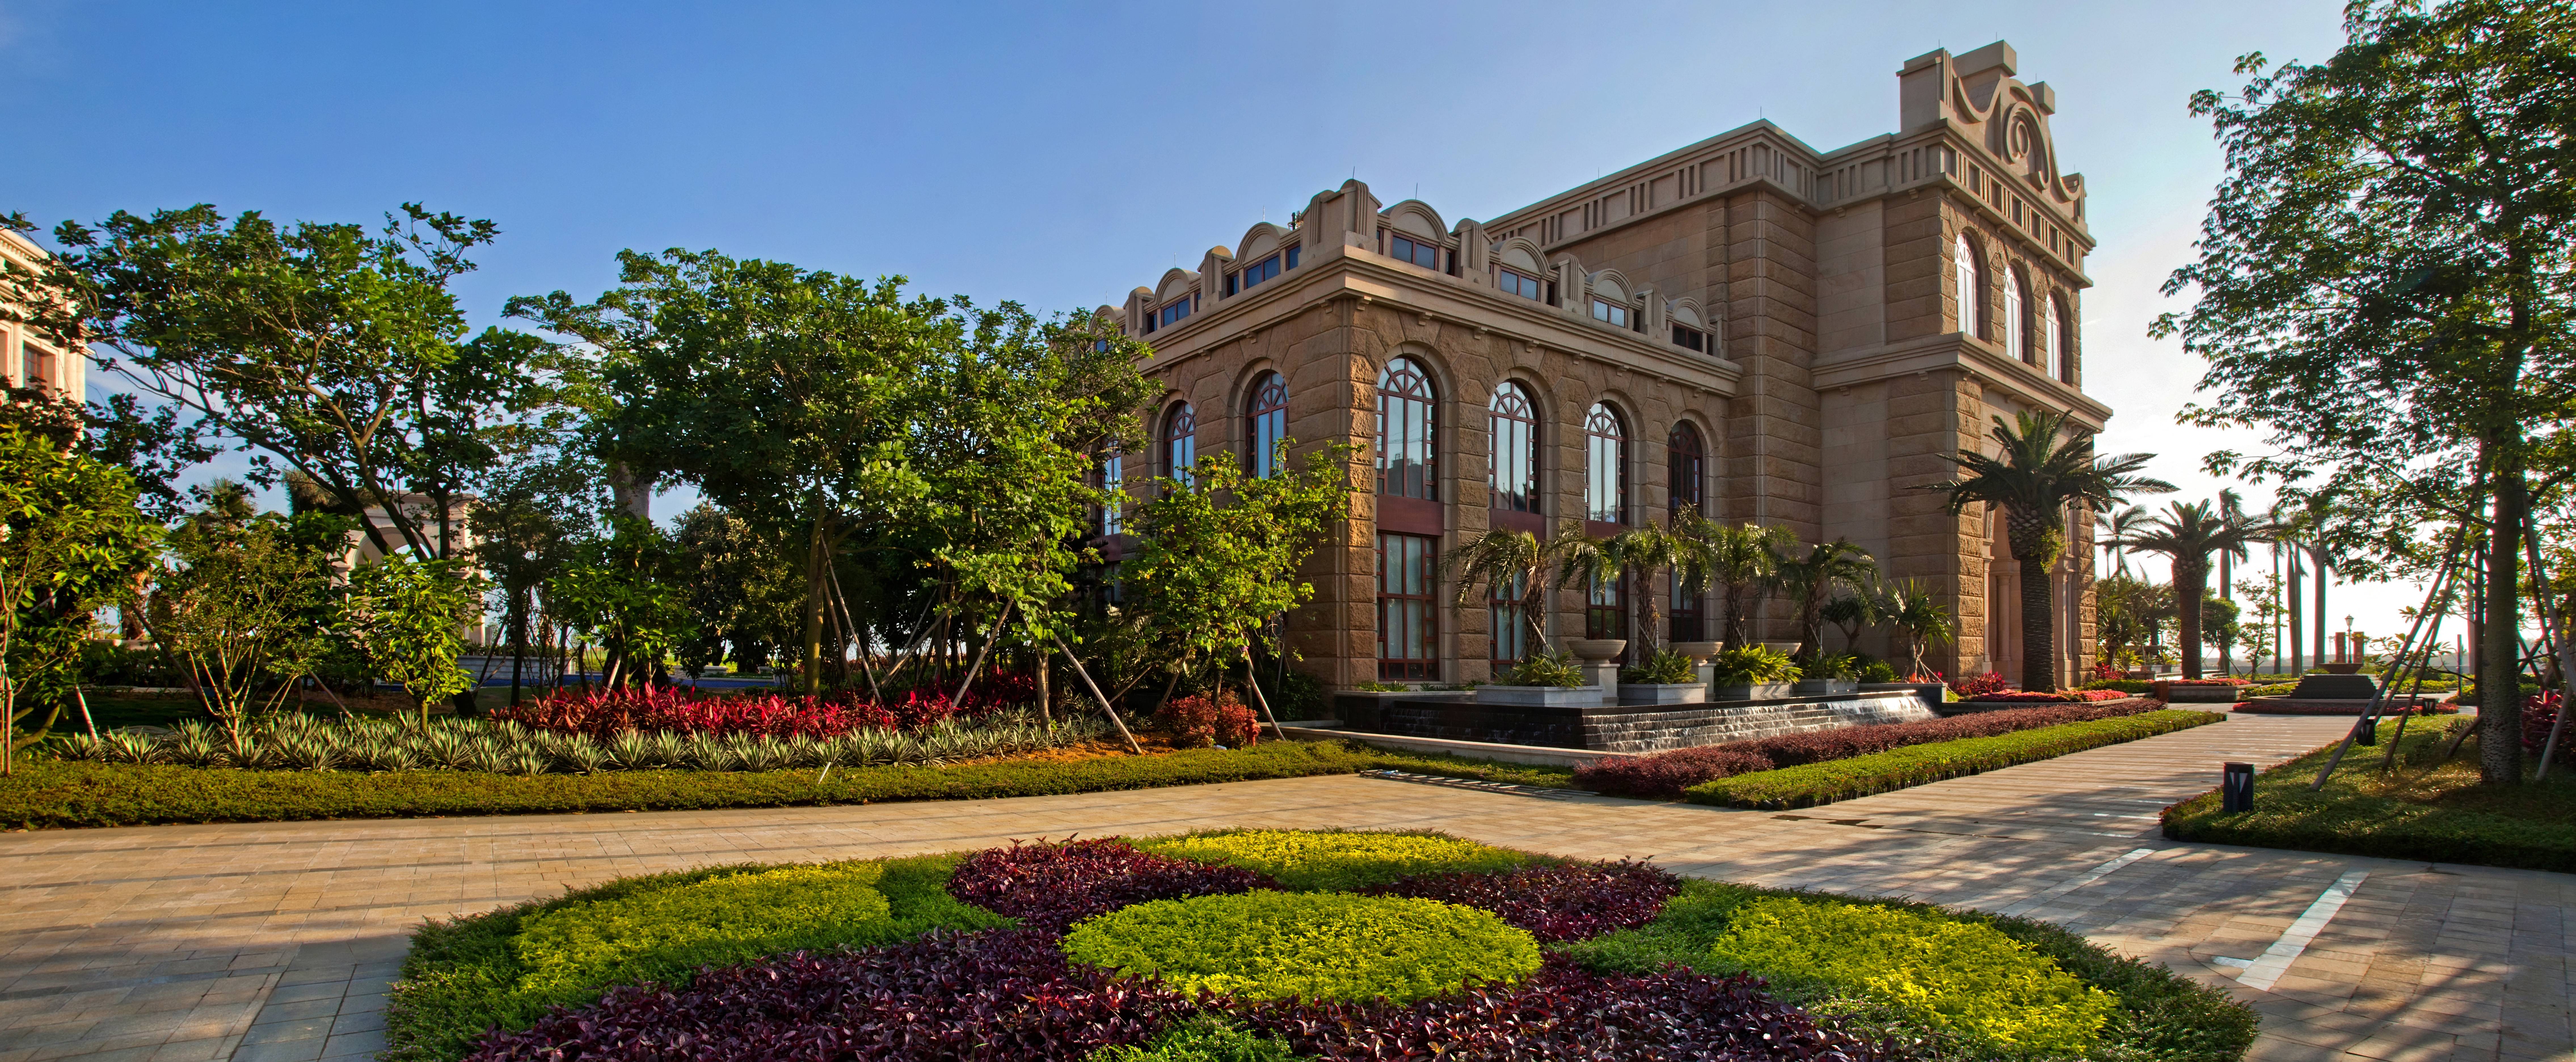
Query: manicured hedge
{"x": 1337, "y": 860}
{"x": 2159, "y": 1015}
{"x": 1664, "y": 775}
{"x": 1307, "y": 945}
{"x": 46, "y": 794}
{"x": 2349, "y": 818}
{"x": 1824, "y": 783}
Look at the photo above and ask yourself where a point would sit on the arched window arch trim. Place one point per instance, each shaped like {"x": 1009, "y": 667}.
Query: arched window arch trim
{"x": 2061, "y": 340}
{"x": 2017, "y": 316}
{"x": 1967, "y": 261}
{"x": 1408, "y": 402}
{"x": 1515, "y": 437}
{"x": 1686, "y": 465}
{"x": 1180, "y": 444}
{"x": 1605, "y": 486}
{"x": 1265, "y": 423}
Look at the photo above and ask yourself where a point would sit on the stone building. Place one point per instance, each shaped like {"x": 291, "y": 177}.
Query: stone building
{"x": 1781, "y": 335}
{"x": 27, "y": 361}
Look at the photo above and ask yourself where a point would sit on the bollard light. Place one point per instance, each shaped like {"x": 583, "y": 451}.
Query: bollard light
{"x": 2236, "y": 788}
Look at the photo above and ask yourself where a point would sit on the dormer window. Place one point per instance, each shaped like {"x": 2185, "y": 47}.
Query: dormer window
{"x": 1690, "y": 338}
{"x": 1407, "y": 249}
{"x": 1524, "y": 285}
{"x": 1614, "y": 313}
{"x": 1243, "y": 279}
{"x": 1171, "y": 313}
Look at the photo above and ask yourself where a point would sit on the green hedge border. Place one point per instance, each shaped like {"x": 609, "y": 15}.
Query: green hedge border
{"x": 1811, "y": 784}
{"x": 46, "y": 794}
{"x": 2287, "y": 815}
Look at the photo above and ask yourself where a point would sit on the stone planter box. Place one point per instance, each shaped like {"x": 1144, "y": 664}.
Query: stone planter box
{"x": 1753, "y": 691}
{"x": 1540, "y": 696}
{"x": 1826, "y": 687}
{"x": 2172, "y": 693}
{"x": 1662, "y": 693}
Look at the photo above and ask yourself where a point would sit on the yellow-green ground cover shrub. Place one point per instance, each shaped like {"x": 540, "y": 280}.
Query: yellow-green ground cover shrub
{"x": 1823, "y": 783}
{"x": 1959, "y": 975}
{"x": 1338, "y": 860}
{"x": 2421, "y": 807}
{"x": 1308, "y": 945}
{"x": 1202, "y": 1040}
{"x": 509, "y": 966}
{"x": 2155, "y": 1016}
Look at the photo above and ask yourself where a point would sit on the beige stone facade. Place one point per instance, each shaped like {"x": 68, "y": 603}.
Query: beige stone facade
{"x": 27, "y": 361}
{"x": 1798, "y": 312}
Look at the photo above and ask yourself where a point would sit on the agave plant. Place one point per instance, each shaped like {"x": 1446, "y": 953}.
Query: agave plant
{"x": 445, "y": 748}
{"x": 196, "y": 744}
{"x": 670, "y": 749}
{"x": 704, "y": 752}
{"x": 304, "y": 750}
{"x": 807, "y": 752}
{"x": 389, "y": 755}
{"x": 630, "y": 749}
{"x": 249, "y": 751}
{"x": 579, "y": 753}
{"x": 491, "y": 757}
{"x": 83, "y": 747}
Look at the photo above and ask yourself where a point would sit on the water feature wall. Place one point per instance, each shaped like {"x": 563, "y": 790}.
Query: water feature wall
{"x": 1628, "y": 728}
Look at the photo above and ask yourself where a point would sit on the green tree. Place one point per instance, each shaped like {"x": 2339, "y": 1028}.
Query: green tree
{"x": 70, "y": 539}
{"x": 1218, "y": 552}
{"x": 247, "y": 604}
{"x": 2220, "y": 626}
{"x": 1741, "y": 561}
{"x": 337, "y": 352}
{"x": 2384, "y": 283}
{"x": 406, "y": 618}
{"x": 1512, "y": 560}
{"x": 532, "y": 522}
{"x": 622, "y": 593}
{"x": 1921, "y": 618}
{"x": 2192, "y": 533}
{"x": 744, "y": 591}
{"x": 2044, "y": 467}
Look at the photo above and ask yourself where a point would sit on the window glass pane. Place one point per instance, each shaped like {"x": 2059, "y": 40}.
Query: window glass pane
{"x": 1405, "y": 461}
{"x": 1292, "y": 256}
{"x": 1605, "y": 487}
{"x": 1269, "y": 416}
{"x": 1113, "y": 477}
{"x": 1512, "y": 428}
{"x": 1407, "y": 628}
{"x": 1180, "y": 443}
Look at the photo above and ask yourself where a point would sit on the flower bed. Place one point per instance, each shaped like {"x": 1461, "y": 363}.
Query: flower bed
{"x": 1665, "y": 775}
{"x": 1824, "y": 783}
{"x": 602, "y": 713}
{"x": 1439, "y": 964}
{"x": 2049, "y": 697}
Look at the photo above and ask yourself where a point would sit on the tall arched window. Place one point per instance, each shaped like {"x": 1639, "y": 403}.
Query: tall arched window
{"x": 1180, "y": 442}
{"x": 1113, "y": 480}
{"x": 2060, "y": 343}
{"x": 1972, "y": 288}
{"x": 1267, "y": 423}
{"x": 1406, "y": 466}
{"x": 1512, "y": 428}
{"x": 1686, "y": 461}
{"x": 1605, "y": 485}
{"x": 2016, "y": 323}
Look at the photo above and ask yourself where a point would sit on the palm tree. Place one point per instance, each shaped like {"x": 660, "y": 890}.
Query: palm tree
{"x": 2191, "y": 533}
{"x": 1809, "y": 579}
{"x": 1644, "y": 551}
{"x": 1504, "y": 558}
{"x": 1738, "y": 559}
{"x": 1920, "y": 616}
{"x": 2115, "y": 527}
{"x": 2033, "y": 481}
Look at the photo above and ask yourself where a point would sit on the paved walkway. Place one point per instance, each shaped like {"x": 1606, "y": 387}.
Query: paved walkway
{"x": 275, "y": 941}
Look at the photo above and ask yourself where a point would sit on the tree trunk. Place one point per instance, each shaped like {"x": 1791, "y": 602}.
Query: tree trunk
{"x": 2191, "y": 583}
{"x": 813, "y": 655}
{"x": 2038, "y": 628}
{"x": 2499, "y": 664}
{"x": 2290, "y": 590}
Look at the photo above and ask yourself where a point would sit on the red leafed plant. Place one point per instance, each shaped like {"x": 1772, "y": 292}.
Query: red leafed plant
{"x": 2538, "y": 712}
{"x": 1569, "y": 901}
{"x": 1197, "y": 721}
{"x": 1664, "y": 775}
{"x": 600, "y": 713}
{"x": 1051, "y": 886}
{"x": 1980, "y": 685}
{"x": 2053, "y": 697}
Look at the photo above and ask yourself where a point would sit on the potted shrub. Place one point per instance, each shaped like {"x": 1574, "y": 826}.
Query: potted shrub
{"x": 1670, "y": 678}
{"x": 1832, "y": 674}
{"x": 1546, "y": 680}
{"x": 1751, "y": 673}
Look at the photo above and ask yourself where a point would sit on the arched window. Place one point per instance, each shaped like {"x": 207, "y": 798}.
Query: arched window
{"x": 1113, "y": 479}
{"x": 1267, "y": 424}
{"x": 1180, "y": 442}
{"x": 1972, "y": 288}
{"x": 1405, "y": 463}
{"x": 2016, "y": 321}
{"x": 1512, "y": 423}
{"x": 1686, "y": 461}
{"x": 2060, "y": 342}
{"x": 1605, "y": 486}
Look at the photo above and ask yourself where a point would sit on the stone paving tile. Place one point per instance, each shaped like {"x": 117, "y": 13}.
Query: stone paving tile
{"x": 275, "y": 940}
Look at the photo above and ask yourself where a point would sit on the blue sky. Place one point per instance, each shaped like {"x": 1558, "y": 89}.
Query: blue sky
{"x": 1061, "y": 154}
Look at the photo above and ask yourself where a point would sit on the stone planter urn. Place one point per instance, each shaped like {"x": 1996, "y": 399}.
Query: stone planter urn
{"x": 1699, "y": 652}
{"x": 1783, "y": 648}
{"x": 1541, "y": 696}
{"x": 1596, "y": 654}
{"x": 1750, "y": 691}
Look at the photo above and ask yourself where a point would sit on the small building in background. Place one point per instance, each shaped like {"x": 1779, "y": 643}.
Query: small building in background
{"x": 27, "y": 361}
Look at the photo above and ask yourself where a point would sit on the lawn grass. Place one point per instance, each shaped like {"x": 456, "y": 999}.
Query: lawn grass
{"x": 1811, "y": 784}
{"x": 2422, "y": 807}
{"x": 47, "y": 794}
